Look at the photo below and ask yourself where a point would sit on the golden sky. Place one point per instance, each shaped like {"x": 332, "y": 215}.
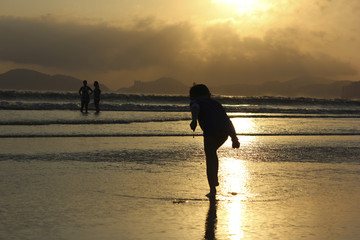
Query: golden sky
{"x": 208, "y": 41}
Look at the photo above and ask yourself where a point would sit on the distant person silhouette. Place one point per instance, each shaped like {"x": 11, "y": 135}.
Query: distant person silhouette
{"x": 97, "y": 93}
{"x": 216, "y": 126}
{"x": 85, "y": 93}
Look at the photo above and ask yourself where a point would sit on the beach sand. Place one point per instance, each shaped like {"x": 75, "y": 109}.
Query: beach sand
{"x": 288, "y": 187}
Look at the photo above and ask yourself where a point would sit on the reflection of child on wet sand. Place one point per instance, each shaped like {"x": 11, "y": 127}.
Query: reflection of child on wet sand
{"x": 97, "y": 93}
{"x": 216, "y": 126}
{"x": 85, "y": 93}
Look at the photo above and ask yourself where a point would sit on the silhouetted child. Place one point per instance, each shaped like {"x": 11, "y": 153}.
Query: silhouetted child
{"x": 85, "y": 93}
{"x": 97, "y": 93}
{"x": 216, "y": 126}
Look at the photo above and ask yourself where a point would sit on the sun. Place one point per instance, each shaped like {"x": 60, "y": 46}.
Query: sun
{"x": 242, "y": 7}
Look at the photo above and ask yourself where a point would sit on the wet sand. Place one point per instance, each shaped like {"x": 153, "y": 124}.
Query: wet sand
{"x": 154, "y": 188}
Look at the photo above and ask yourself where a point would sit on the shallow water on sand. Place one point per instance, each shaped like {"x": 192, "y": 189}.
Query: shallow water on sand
{"x": 287, "y": 187}
{"x": 55, "y": 123}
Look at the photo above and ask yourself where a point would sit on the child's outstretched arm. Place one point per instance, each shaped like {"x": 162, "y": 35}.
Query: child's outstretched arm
{"x": 235, "y": 142}
{"x": 194, "y": 116}
{"x": 232, "y": 133}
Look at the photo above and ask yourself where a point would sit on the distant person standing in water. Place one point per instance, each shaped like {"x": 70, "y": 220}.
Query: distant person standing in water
{"x": 85, "y": 93}
{"x": 97, "y": 93}
{"x": 216, "y": 126}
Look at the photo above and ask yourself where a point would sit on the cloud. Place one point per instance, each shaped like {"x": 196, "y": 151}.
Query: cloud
{"x": 281, "y": 54}
{"x": 179, "y": 50}
{"x": 72, "y": 45}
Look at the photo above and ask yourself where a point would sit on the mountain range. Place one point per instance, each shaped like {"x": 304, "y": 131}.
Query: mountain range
{"x": 160, "y": 86}
{"x": 25, "y": 79}
{"x": 306, "y": 86}
{"x": 296, "y": 87}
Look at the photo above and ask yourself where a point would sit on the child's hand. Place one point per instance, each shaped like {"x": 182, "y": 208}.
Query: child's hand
{"x": 193, "y": 125}
{"x": 235, "y": 143}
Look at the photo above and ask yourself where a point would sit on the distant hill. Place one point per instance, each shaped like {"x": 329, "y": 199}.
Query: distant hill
{"x": 160, "y": 86}
{"x": 351, "y": 91}
{"x": 297, "y": 87}
{"x": 25, "y": 79}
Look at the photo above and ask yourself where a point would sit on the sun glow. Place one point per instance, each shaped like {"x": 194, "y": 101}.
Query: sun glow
{"x": 243, "y": 7}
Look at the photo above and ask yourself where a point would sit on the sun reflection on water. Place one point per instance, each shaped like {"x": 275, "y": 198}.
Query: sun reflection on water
{"x": 233, "y": 193}
{"x": 230, "y": 219}
{"x": 244, "y": 125}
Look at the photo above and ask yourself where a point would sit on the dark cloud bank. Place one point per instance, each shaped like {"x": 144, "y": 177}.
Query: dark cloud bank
{"x": 216, "y": 55}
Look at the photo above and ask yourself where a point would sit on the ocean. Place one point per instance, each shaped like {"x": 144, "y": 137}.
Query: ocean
{"x": 136, "y": 170}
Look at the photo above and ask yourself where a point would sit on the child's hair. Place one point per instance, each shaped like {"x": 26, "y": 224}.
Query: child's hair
{"x": 85, "y": 82}
{"x": 199, "y": 90}
{"x": 96, "y": 83}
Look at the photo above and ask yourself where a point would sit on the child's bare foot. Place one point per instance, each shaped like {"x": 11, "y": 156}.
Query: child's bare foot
{"x": 212, "y": 193}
